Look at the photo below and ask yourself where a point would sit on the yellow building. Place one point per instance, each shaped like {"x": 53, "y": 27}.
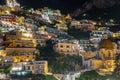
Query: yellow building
{"x": 116, "y": 35}
{"x": 61, "y": 27}
{"x": 20, "y": 51}
{"x": 16, "y": 36}
{"x": 21, "y": 44}
{"x": 19, "y": 58}
{"x": 19, "y": 39}
{"x": 67, "y": 47}
{"x": 19, "y": 36}
{"x": 19, "y": 54}
{"x": 107, "y": 49}
{"x": 24, "y": 58}
{"x": 2, "y": 53}
{"x": 89, "y": 55}
{"x": 106, "y": 63}
{"x": 20, "y": 47}
{"x": 21, "y": 20}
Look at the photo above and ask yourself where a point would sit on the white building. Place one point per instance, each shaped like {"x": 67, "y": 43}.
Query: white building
{"x": 46, "y": 17}
{"x": 35, "y": 67}
{"x": 15, "y": 3}
{"x": 97, "y": 33}
{"x": 88, "y": 64}
{"x": 12, "y": 3}
{"x": 70, "y": 76}
{"x": 95, "y": 39}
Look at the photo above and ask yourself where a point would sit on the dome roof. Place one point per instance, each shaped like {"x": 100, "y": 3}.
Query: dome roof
{"x": 106, "y": 43}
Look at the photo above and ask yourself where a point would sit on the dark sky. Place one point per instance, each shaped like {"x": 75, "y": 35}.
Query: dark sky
{"x": 66, "y": 5}
{"x": 63, "y": 5}
{"x": 52, "y": 3}
{"x": 2, "y": 1}
{"x": 69, "y": 6}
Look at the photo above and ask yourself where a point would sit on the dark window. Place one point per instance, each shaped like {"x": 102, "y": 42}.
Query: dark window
{"x": 61, "y": 50}
{"x": 109, "y": 55}
{"x": 18, "y": 45}
{"x": 61, "y": 46}
{"x": 28, "y": 67}
{"x": 21, "y": 60}
{"x": 68, "y": 51}
{"x": 67, "y": 46}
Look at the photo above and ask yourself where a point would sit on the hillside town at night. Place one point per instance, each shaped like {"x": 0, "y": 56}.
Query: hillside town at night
{"x": 46, "y": 44}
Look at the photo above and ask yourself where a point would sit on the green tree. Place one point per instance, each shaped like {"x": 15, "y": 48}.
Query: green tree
{"x": 91, "y": 75}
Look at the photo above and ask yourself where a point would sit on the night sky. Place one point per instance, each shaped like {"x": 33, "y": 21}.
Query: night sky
{"x": 65, "y": 5}
{"x": 2, "y": 1}
{"x": 70, "y": 6}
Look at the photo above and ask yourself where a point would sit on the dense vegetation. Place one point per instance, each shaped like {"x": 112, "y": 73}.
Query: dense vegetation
{"x": 78, "y": 34}
{"x": 93, "y": 75}
{"x": 59, "y": 63}
{"x": 34, "y": 77}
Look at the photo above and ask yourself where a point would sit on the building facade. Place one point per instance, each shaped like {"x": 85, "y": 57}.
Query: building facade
{"x": 34, "y": 67}
{"x": 104, "y": 62}
{"x": 67, "y": 47}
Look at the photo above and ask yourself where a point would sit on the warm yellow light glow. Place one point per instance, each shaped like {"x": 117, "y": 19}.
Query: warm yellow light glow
{"x": 68, "y": 16}
{"x": 111, "y": 20}
{"x": 27, "y": 35}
